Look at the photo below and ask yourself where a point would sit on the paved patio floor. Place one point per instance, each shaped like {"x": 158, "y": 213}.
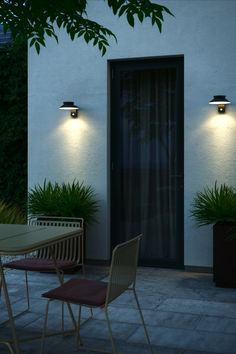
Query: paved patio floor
{"x": 185, "y": 313}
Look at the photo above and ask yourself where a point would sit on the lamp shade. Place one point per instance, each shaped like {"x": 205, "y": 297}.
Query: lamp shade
{"x": 219, "y": 99}
{"x": 68, "y": 106}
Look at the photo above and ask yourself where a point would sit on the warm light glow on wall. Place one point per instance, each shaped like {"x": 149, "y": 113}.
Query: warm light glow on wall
{"x": 220, "y": 135}
{"x": 73, "y": 138}
{"x": 220, "y": 123}
{"x": 73, "y": 131}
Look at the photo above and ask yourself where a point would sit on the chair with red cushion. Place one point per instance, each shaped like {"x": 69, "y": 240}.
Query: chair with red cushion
{"x": 98, "y": 294}
{"x": 69, "y": 254}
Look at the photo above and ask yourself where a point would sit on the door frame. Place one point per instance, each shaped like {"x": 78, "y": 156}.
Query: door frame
{"x": 113, "y": 140}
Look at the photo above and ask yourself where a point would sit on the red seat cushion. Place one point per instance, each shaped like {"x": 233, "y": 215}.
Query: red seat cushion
{"x": 80, "y": 291}
{"x": 38, "y": 264}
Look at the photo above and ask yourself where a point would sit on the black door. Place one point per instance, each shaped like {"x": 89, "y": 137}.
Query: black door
{"x": 147, "y": 157}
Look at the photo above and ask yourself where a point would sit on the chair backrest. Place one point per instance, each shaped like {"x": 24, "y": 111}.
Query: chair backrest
{"x": 71, "y": 249}
{"x": 123, "y": 268}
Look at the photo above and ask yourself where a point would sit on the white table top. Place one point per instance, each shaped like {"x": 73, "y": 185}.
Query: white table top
{"x": 20, "y": 239}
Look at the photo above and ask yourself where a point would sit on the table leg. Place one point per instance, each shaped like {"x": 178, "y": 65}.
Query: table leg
{"x": 9, "y": 310}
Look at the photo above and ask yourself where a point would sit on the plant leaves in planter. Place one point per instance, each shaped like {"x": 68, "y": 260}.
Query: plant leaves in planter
{"x": 65, "y": 199}
{"x": 217, "y": 204}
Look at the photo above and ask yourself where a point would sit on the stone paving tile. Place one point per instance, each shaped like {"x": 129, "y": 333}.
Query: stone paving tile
{"x": 98, "y": 329}
{"x": 173, "y": 320}
{"x": 67, "y": 345}
{"x": 187, "y": 339}
{"x": 226, "y": 295}
{"x": 177, "y": 307}
{"x": 199, "y": 307}
{"x": 22, "y": 321}
{"x": 217, "y": 324}
{"x": 159, "y": 318}
{"x": 146, "y": 301}
{"x": 197, "y": 352}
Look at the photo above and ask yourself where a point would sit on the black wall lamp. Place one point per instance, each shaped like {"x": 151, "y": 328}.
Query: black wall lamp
{"x": 69, "y": 106}
{"x": 221, "y": 101}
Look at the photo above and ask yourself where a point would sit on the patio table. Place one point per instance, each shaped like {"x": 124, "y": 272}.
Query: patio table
{"x": 23, "y": 239}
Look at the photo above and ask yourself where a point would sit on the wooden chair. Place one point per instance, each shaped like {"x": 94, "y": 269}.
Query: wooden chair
{"x": 99, "y": 294}
{"x": 69, "y": 254}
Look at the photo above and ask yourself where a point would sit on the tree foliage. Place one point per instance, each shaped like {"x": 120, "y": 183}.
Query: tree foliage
{"x": 34, "y": 20}
{"x": 13, "y": 124}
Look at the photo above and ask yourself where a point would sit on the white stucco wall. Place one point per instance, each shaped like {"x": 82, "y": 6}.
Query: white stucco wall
{"x": 63, "y": 149}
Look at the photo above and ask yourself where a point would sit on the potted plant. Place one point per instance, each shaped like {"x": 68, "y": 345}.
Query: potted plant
{"x": 217, "y": 206}
{"x": 65, "y": 199}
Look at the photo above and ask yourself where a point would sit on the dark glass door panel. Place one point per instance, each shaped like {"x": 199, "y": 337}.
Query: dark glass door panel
{"x": 147, "y": 157}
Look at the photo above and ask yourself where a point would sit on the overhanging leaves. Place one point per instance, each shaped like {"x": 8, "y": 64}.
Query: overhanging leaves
{"x": 34, "y": 19}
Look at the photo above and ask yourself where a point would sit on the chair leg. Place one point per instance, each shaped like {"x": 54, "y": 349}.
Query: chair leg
{"x": 27, "y": 290}
{"x": 144, "y": 326}
{"x": 62, "y": 316}
{"x": 44, "y": 327}
{"x": 110, "y": 332}
{"x": 75, "y": 324}
{"x": 62, "y": 305}
{"x": 79, "y": 320}
{"x": 79, "y": 315}
{"x": 9, "y": 309}
{"x": 27, "y": 296}
{"x": 9, "y": 346}
{"x": 84, "y": 274}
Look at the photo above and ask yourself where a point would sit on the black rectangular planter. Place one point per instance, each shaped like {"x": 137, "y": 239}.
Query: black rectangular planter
{"x": 224, "y": 255}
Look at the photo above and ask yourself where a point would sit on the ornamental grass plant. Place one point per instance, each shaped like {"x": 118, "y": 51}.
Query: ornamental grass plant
{"x": 213, "y": 205}
{"x": 65, "y": 199}
{"x": 10, "y": 214}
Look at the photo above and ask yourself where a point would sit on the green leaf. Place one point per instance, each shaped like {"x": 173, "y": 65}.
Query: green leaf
{"x": 37, "y": 47}
{"x": 49, "y": 32}
{"x": 167, "y": 10}
{"x": 103, "y": 50}
{"x": 130, "y": 19}
{"x": 59, "y": 21}
{"x": 122, "y": 10}
{"x": 41, "y": 41}
{"x": 33, "y": 41}
{"x": 55, "y": 36}
{"x": 159, "y": 24}
{"x": 86, "y": 37}
{"x": 95, "y": 41}
{"x": 100, "y": 46}
{"x": 80, "y": 33}
{"x": 140, "y": 16}
{"x": 72, "y": 34}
